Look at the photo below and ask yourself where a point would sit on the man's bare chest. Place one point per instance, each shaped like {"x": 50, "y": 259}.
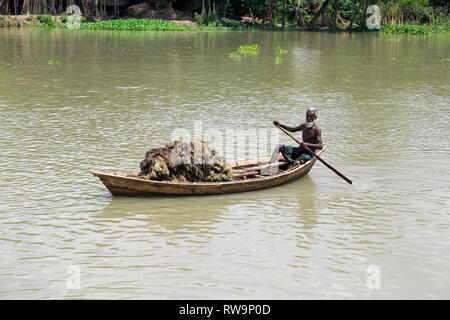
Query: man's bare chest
{"x": 309, "y": 135}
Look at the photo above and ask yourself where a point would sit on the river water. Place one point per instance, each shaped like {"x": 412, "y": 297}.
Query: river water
{"x": 76, "y": 101}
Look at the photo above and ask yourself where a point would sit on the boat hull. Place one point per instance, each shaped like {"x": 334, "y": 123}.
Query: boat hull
{"x": 121, "y": 184}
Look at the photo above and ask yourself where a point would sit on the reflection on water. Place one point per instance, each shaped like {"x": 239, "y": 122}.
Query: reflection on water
{"x": 112, "y": 96}
{"x": 164, "y": 216}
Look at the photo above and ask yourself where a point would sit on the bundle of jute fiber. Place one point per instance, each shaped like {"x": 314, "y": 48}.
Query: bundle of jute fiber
{"x": 182, "y": 161}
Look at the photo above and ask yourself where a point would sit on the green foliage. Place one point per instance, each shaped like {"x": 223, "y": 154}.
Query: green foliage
{"x": 212, "y": 25}
{"x": 64, "y": 18}
{"x": 198, "y": 19}
{"x": 246, "y": 50}
{"x": 45, "y": 18}
{"x": 46, "y": 21}
{"x": 57, "y": 61}
{"x": 440, "y": 29}
{"x": 281, "y": 51}
{"x": 3, "y": 21}
{"x": 238, "y": 25}
{"x": 402, "y": 28}
{"x": 279, "y": 55}
{"x": 439, "y": 20}
{"x": 135, "y": 24}
{"x": 414, "y": 11}
{"x": 279, "y": 9}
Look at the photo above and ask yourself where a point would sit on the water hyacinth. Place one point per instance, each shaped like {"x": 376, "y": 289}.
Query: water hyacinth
{"x": 135, "y": 24}
{"x": 46, "y": 21}
{"x": 57, "y": 61}
{"x": 279, "y": 55}
{"x": 400, "y": 29}
{"x": 246, "y": 50}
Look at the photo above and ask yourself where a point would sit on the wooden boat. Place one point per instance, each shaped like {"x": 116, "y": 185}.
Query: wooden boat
{"x": 247, "y": 178}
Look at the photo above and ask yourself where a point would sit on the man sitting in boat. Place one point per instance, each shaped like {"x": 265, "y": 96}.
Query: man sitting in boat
{"x": 312, "y": 138}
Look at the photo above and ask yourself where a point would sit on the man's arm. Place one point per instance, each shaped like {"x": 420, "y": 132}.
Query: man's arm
{"x": 315, "y": 146}
{"x": 288, "y": 128}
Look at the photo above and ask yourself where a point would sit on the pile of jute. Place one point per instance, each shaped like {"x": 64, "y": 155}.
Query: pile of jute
{"x": 182, "y": 161}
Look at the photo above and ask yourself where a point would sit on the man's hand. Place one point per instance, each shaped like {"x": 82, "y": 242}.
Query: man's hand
{"x": 275, "y": 122}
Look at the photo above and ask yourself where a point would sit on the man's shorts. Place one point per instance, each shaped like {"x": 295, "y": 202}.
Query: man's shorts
{"x": 292, "y": 154}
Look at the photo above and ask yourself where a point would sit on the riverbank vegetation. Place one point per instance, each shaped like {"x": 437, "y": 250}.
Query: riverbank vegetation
{"x": 135, "y": 24}
{"x": 400, "y": 28}
{"x": 396, "y": 16}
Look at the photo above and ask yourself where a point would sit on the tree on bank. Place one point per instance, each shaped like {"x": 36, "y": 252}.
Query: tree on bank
{"x": 338, "y": 13}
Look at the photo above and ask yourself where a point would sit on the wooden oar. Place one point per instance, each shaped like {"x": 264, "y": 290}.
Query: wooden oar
{"x": 315, "y": 155}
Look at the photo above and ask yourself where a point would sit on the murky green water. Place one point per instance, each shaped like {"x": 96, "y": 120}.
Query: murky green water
{"x": 72, "y": 102}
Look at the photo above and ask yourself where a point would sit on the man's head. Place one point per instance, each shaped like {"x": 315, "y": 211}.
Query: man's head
{"x": 311, "y": 115}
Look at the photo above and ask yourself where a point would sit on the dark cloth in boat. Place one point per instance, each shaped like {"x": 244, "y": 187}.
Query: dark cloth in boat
{"x": 292, "y": 154}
